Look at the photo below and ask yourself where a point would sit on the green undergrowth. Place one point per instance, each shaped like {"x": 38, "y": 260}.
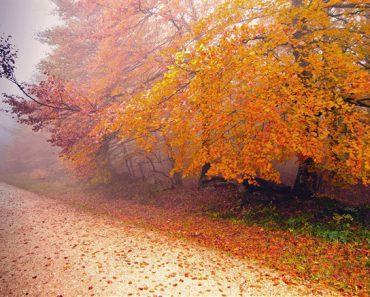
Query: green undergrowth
{"x": 320, "y": 218}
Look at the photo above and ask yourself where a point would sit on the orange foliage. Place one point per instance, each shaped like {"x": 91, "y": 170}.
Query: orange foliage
{"x": 105, "y": 52}
{"x": 238, "y": 85}
{"x": 260, "y": 81}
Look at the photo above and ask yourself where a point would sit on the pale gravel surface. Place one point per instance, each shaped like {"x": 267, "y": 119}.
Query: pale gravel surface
{"x": 49, "y": 248}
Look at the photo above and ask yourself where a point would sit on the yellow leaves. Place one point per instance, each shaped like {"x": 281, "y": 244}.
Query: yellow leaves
{"x": 239, "y": 97}
{"x": 200, "y": 47}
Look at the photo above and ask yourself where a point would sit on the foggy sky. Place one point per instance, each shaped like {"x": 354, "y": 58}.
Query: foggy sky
{"x": 23, "y": 19}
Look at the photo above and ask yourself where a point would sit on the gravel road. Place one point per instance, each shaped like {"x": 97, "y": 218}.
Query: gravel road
{"x": 50, "y": 248}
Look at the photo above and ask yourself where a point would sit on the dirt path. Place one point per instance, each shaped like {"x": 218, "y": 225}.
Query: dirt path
{"x": 48, "y": 248}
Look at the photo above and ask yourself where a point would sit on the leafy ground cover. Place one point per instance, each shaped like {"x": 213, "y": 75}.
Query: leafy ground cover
{"x": 321, "y": 217}
{"x": 314, "y": 242}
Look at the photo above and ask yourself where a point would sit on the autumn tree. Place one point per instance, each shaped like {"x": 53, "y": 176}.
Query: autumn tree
{"x": 104, "y": 52}
{"x": 259, "y": 82}
{"x": 238, "y": 87}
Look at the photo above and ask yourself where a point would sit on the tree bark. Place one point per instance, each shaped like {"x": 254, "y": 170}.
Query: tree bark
{"x": 203, "y": 174}
{"x": 307, "y": 180}
{"x": 177, "y": 176}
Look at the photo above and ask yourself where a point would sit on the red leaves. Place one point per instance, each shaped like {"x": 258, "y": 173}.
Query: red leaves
{"x": 319, "y": 263}
{"x": 287, "y": 280}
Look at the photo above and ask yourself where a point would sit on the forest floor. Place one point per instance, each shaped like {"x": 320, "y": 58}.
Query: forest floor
{"x": 90, "y": 242}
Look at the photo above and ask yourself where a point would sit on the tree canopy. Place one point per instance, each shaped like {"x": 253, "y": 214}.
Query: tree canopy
{"x": 236, "y": 84}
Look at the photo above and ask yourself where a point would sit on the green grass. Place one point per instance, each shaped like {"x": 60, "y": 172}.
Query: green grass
{"x": 321, "y": 223}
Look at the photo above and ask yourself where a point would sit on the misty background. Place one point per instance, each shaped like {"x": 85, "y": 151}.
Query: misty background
{"x": 21, "y": 149}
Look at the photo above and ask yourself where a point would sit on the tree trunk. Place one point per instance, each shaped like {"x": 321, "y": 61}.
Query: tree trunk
{"x": 307, "y": 180}
{"x": 203, "y": 174}
{"x": 177, "y": 176}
